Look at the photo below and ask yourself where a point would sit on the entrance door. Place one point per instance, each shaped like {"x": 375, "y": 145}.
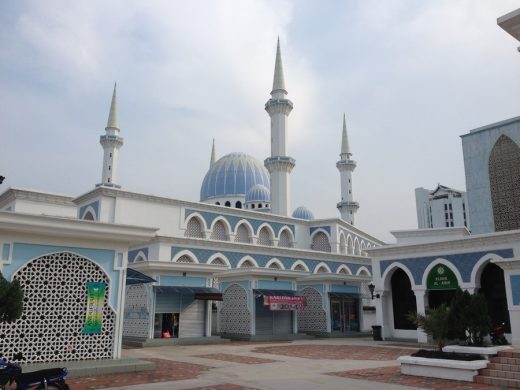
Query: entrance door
{"x": 344, "y": 314}
{"x": 337, "y": 318}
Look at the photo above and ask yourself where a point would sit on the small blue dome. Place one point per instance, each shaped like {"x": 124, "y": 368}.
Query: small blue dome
{"x": 233, "y": 175}
{"x": 303, "y": 213}
{"x": 258, "y": 193}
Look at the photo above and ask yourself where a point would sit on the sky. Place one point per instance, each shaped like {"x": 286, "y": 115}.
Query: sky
{"x": 411, "y": 77}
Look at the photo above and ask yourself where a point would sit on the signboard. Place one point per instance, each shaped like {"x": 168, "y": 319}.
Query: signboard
{"x": 441, "y": 278}
{"x": 284, "y": 302}
{"x": 95, "y": 301}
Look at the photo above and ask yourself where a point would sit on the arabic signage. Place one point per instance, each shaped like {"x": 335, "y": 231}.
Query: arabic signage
{"x": 441, "y": 278}
{"x": 284, "y": 302}
{"x": 95, "y": 300}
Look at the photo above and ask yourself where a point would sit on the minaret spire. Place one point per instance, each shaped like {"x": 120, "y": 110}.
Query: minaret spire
{"x": 279, "y": 164}
{"x": 111, "y": 143}
{"x": 347, "y": 207}
{"x": 212, "y": 159}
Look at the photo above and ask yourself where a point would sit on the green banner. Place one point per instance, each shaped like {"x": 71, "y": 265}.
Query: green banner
{"x": 441, "y": 278}
{"x": 95, "y": 300}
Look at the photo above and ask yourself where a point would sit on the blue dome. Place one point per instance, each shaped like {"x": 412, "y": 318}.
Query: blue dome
{"x": 258, "y": 193}
{"x": 233, "y": 175}
{"x": 303, "y": 213}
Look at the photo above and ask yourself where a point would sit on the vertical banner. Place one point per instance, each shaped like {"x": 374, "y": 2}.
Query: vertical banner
{"x": 95, "y": 301}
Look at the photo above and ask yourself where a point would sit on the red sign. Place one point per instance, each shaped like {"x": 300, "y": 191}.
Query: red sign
{"x": 284, "y": 302}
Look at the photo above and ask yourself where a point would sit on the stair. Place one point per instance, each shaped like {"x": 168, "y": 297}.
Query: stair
{"x": 503, "y": 370}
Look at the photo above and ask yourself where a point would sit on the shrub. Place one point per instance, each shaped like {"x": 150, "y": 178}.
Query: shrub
{"x": 11, "y": 300}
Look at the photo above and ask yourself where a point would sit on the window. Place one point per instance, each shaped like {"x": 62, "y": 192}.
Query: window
{"x": 252, "y": 206}
{"x": 109, "y": 167}
{"x": 110, "y": 155}
{"x": 219, "y": 232}
{"x": 264, "y": 237}
{"x": 242, "y": 234}
{"x": 260, "y": 205}
{"x": 445, "y": 206}
{"x": 285, "y": 240}
{"x": 109, "y": 180}
{"x": 320, "y": 242}
{"x": 450, "y": 207}
{"x": 228, "y": 204}
{"x": 238, "y": 204}
{"x": 194, "y": 229}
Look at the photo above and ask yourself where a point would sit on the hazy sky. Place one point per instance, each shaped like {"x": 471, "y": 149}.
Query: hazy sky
{"x": 411, "y": 76}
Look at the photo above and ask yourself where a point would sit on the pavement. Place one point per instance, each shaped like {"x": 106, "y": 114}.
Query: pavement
{"x": 297, "y": 365}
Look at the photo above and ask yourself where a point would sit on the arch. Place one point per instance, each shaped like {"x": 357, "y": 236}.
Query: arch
{"x": 235, "y": 314}
{"x": 344, "y": 269}
{"x": 285, "y": 238}
{"x": 476, "y": 272}
{"x": 342, "y": 244}
{"x": 322, "y": 268}
{"x": 363, "y": 271}
{"x": 218, "y": 258}
{"x": 227, "y": 204}
{"x": 445, "y": 262}
{"x": 220, "y": 230}
{"x": 195, "y": 227}
{"x": 299, "y": 265}
{"x": 265, "y": 235}
{"x": 238, "y": 204}
{"x": 403, "y": 299}
{"x": 350, "y": 245}
{"x": 493, "y": 287}
{"x": 363, "y": 247}
{"x": 243, "y": 232}
{"x": 357, "y": 247}
{"x": 185, "y": 254}
{"x": 243, "y": 263}
{"x": 89, "y": 214}
{"x": 504, "y": 183}
{"x": 140, "y": 257}
{"x": 274, "y": 263}
{"x": 217, "y": 203}
{"x": 390, "y": 270}
{"x": 320, "y": 241}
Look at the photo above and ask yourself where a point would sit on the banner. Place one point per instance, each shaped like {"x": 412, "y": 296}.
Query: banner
{"x": 284, "y": 302}
{"x": 95, "y": 300}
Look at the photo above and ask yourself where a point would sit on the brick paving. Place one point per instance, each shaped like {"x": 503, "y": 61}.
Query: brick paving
{"x": 237, "y": 358}
{"x": 393, "y": 375}
{"x": 166, "y": 371}
{"x": 224, "y": 386}
{"x": 337, "y": 352}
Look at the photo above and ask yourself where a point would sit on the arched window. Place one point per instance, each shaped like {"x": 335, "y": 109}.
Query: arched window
{"x": 350, "y": 246}
{"x": 88, "y": 216}
{"x": 264, "y": 237}
{"x": 300, "y": 267}
{"x": 274, "y": 265}
{"x": 343, "y": 271}
{"x": 194, "y": 229}
{"x": 285, "y": 240}
{"x": 227, "y": 204}
{"x": 217, "y": 203}
{"x": 342, "y": 245}
{"x": 320, "y": 242}
{"x": 403, "y": 300}
{"x": 504, "y": 182}
{"x": 243, "y": 234}
{"x": 357, "y": 248}
{"x": 185, "y": 259}
{"x": 247, "y": 264}
{"x": 218, "y": 261}
{"x": 322, "y": 270}
{"x": 219, "y": 232}
{"x": 238, "y": 204}
{"x": 259, "y": 205}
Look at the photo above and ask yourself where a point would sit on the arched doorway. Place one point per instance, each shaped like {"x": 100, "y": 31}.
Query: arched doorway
{"x": 403, "y": 300}
{"x": 493, "y": 286}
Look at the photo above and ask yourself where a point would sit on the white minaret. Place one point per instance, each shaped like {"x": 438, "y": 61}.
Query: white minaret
{"x": 347, "y": 207}
{"x": 111, "y": 143}
{"x": 279, "y": 164}
{"x": 213, "y": 158}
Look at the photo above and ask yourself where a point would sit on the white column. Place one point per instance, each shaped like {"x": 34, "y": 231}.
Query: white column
{"x": 421, "y": 297}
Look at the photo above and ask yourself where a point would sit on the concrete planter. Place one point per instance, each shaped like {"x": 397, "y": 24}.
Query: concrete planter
{"x": 485, "y": 352}
{"x": 441, "y": 368}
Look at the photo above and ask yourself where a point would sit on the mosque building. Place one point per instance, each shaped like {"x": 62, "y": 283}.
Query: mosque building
{"x": 238, "y": 263}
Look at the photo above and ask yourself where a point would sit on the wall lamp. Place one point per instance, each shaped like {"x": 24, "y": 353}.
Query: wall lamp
{"x": 371, "y": 287}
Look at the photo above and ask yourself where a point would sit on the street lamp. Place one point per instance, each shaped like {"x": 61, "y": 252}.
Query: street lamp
{"x": 2, "y": 179}
{"x": 371, "y": 287}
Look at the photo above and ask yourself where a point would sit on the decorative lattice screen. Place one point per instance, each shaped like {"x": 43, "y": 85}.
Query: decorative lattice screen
{"x": 219, "y": 232}
{"x": 285, "y": 240}
{"x": 264, "y": 238}
{"x": 320, "y": 242}
{"x": 194, "y": 229}
{"x": 242, "y": 234}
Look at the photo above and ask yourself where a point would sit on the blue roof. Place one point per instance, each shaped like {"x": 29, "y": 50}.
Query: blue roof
{"x": 303, "y": 213}
{"x": 258, "y": 193}
{"x": 233, "y": 175}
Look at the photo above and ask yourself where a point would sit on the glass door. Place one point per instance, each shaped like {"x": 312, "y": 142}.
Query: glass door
{"x": 337, "y": 317}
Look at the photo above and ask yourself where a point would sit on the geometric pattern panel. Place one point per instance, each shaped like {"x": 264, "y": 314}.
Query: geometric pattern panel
{"x": 185, "y": 259}
{"x": 264, "y": 238}
{"x": 54, "y": 307}
{"x": 235, "y": 317}
{"x": 285, "y": 240}
{"x": 137, "y": 311}
{"x": 194, "y": 229}
{"x": 320, "y": 242}
{"x": 219, "y": 232}
{"x": 313, "y": 317}
{"x": 242, "y": 234}
{"x": 504, "y": 181}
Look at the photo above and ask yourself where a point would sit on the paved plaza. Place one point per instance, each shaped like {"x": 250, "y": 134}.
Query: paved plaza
{"x": 304, "y": 364}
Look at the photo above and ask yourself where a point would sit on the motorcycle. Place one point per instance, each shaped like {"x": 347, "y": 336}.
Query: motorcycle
{"x": 498, "y": 334}
{"x": 12, "y": 378}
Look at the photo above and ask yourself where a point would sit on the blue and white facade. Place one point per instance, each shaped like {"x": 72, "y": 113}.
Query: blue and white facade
{"x": 213, "y": 262}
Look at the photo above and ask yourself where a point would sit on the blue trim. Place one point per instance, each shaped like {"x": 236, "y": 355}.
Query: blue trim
{"x": 234, "y": 257}
{"x": 94, "y": 205}
{"x": 234, "y": 220}
{"x": 344, "y": 289}
{"x": 312, "y": 229}
{"x": 134, "y": 252}
{"x": 515, "y": 289}
{"x": 274, "y": 285}
{"x": 188, "y": 281}
{"x": 6, "y": 249}
{"x": 464, "y": 262}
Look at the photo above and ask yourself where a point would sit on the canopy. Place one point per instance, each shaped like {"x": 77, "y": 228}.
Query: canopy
{"x": 202, "y": 293}
{"x": 135, "y": 277}
{"x": 271, "y": 293}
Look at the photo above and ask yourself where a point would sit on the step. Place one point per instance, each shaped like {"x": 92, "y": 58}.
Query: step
{"x": 500, "y": 374}
{"x": 509, "y": 354}
{"x": 505, "y": 360}
{"x": 500, "y": 382}
{"x": 504, "y": 367}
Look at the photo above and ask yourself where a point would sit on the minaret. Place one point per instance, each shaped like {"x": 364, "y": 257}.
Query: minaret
{"x": 111, "y": 143}
{"x": 347, "y": 207}
{"x": 212, "y": 159}
{"x": 279, "y": 164}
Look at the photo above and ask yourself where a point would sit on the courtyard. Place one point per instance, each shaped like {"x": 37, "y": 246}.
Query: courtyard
{"x": 303, "y": 364}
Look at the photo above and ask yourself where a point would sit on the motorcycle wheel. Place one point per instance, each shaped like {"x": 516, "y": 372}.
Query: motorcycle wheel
{"x": 55, "y": 386}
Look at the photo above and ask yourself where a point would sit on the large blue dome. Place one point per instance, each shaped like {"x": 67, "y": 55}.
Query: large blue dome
{"x": 233, "y": 175}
